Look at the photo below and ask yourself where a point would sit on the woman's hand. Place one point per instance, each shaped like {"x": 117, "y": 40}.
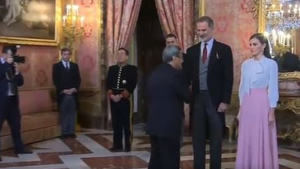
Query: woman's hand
{"x": 272, "y": 115}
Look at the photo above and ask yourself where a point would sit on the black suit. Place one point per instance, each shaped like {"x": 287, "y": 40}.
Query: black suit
{"x": 119, "y": 79}
{"x": 166, "y": 92}
{"x": 66, "y": 78}
{"x": 206, "y": 120}
{"x": 9, "y": 105}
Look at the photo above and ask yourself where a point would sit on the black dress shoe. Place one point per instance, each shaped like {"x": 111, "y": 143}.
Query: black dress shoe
{"x": 114, "y": 149}
{"x": 72, "y": 136}
{"x": 24, "y": 151}
{"x": 127, "y": 149}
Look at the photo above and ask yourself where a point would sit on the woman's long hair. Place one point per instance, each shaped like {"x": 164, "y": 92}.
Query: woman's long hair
{"x": 263, "y": 40}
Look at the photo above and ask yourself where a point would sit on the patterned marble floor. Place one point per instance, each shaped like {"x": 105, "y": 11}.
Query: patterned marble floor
{"x": 90, "y": 151}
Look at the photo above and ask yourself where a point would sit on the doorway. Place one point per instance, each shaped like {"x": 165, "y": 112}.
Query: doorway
{"x": 150, "y": 44}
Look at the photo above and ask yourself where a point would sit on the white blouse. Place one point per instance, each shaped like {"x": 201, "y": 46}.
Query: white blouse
{"x": 261, "y": 73}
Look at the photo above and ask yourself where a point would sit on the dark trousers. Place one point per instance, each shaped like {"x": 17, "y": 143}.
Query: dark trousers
{"x": 207, "y": 122}
{"x": 68, "y": 114}
{"x": 165, "y": 153}
{"x": 120, "y": 112}
{"x": 10, "y": 111}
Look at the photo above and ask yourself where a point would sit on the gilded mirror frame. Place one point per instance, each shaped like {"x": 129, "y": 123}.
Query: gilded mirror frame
{"x": 261, "y": 28}
{"x": 36, "y": 41}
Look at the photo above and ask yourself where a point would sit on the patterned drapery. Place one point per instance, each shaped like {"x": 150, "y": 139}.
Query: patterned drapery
{"x": 122, "y": 16}
{"x": 177, "y": 17}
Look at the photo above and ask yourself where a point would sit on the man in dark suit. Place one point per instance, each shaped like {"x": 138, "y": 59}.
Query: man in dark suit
{"x": 209, "y": 68}
{"x": 10, "y": 80}
{"x": 121, "y": 81}
{"x": 66, "y": 78}
{"x": 166, "y": 92}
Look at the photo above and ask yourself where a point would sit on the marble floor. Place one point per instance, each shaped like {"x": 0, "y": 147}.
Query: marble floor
{"x": 90, "y": 151}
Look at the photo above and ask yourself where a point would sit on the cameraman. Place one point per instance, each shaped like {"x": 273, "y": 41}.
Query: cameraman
{"x": 10, "y": 80}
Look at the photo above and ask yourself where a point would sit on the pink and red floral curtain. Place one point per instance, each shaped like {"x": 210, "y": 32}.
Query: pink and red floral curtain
{"x": 176, "y": 16}
{"x": 122, "y": 16}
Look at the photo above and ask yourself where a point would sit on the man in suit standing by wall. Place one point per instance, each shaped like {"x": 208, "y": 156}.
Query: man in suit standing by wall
{"x": 210, "y": 69}
{"x": 10, "y": 80}
{"x": 121, "y": 81}
{"x": 66, "y": 78}
{"x": 166, "y": 92}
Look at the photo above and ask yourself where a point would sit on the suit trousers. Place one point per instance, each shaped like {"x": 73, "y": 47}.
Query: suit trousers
{"x": 206, "y": 122}
{"x": 165, "y": 153}
{"x": 10, "y": 111}
{"x": 120, "y": 112}
{"x": 68, "y": 114}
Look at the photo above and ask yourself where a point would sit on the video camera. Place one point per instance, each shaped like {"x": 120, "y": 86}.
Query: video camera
{"x": 14, "y": 48}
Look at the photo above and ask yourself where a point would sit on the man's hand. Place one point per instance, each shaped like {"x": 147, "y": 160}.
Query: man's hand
{"x": 116, "y": 98}
{"x": 67, "y": 91}
{"x": 73, "y": 90}
{"x": 222, "y": 107}
{"x": 190, "y": 88}
{"x": 125, "y": 93}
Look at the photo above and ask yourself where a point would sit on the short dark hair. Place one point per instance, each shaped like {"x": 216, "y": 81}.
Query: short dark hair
{"x": 171, "y": 35}
{"x": 66, "y": 50}
{"x": 6, "y": 48}
{"x": 206, "y": 19}
{"x": 124, "y": 49}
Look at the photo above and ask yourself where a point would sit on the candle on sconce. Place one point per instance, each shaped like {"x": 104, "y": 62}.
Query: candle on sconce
{"x": 64, "y": 20}
{"x": 76, "y": 10}
{"x": 82, "y": 21}
{"x": 68, "y": 9}
{"x": 288, "y": 38}
{"x": 73, "y": 20}
{"x": 274, "y": 37}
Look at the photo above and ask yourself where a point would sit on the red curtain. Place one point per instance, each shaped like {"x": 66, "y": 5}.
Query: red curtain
{"x": 176, "y": 16}
{"x": 122, "y": 16}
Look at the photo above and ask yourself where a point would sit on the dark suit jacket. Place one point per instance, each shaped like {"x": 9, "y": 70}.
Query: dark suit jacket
{"x": 65, "y": 79}
{"x": 166, "y": 91}
{"x": 128, "y": 77}
{"x": 17, "y": 80}
{"x": 220, "y": 71}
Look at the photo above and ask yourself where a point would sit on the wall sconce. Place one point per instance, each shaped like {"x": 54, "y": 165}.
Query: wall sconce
{"x": 73, "y": 26}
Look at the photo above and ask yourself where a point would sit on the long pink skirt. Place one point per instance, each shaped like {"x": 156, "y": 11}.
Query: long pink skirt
{"x": 257, "y": 140}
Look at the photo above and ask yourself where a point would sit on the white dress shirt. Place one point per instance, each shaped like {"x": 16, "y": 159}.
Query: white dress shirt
{"x": 66, "y": 64}
{"x": 2, "y": 60}
{"x": 261, "y": 73}
{"x": 208, "y": 47}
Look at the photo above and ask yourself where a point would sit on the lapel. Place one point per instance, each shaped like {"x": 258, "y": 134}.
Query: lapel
{"x": 197, "y": 57}
{"x": 213, "y": 56}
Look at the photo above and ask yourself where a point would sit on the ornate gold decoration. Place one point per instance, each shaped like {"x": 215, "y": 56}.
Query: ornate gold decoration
{"x": 292, "y": 104}
{"x": 73, "y": 25}
{"x": 289, "y": 76}
{"x": 202, "y": 8}
{"x": 35, "y": 41}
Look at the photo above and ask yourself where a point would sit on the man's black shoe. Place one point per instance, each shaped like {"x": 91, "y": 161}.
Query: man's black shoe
{"x": 113, "y": 149}
{"x": 127, "y": 149}
{"x": 72, "y": 136}
{"x": 24, "y": 151}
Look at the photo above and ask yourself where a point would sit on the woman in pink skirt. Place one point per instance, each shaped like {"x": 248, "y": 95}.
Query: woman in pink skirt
{"x": 258, "y": 94}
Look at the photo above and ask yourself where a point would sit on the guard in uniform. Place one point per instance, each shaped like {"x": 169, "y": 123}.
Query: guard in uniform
{"x": 121, "y": 81}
